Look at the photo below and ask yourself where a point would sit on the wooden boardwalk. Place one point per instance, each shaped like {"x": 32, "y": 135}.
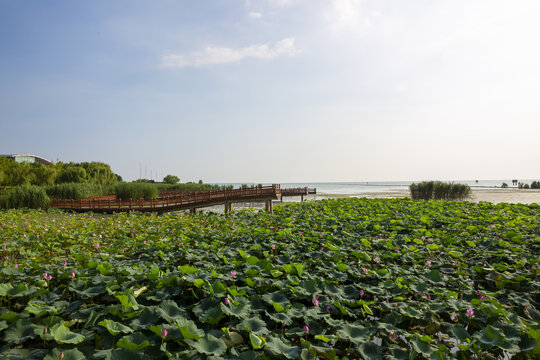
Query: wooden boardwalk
{"x": 182, "y": 200}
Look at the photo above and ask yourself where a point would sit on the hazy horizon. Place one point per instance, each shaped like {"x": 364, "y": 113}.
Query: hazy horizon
{"x": 275, "y": 90}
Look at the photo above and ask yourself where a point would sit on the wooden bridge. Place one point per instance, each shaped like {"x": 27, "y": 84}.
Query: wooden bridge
{"x": 182, "y": 200}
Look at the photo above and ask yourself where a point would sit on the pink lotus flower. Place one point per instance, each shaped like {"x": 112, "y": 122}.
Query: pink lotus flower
{"x": 140, "y": 256}
{"x": 45, "y": 330}
{"x": 322, "y": 249}
{"x": 273, "y": 247}
{"x": 361, "y": 293}
{"x": 328, "y": 308}
{"x": 306, "y": 329}
{"x": 164, "y": 333}
{"x": 49, "y": 277}
{"x": 65, "y": 263}
{"x": 364, "y": 270}
{"x": 394, "y": 336}
{"x": 481, "y": 297}
{"x": 226, "y": 301}
{"x": 45, "y": 276}
{"x": 233, "y": 273}
{"x": 428, "y": 262}
{"x": 72, "y": 274}
{"x": 377, "y": 260}
{"x": 428, "y": 296}
{"x": 16, "y": 266}
{"x": 470, "y": 313}
{"x": 316, "y": 301}
{"x": 4, "y": 246}
{"x": 477, "y": 292}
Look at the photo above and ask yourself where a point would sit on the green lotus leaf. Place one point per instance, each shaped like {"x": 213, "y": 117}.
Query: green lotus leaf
{"x": 281, "y": 347}
{"x": 65, "y": 354}
{"x": 4, "y": 288}
{"x": 63, "y": 335}
{"x": 370, "y": 350}
{"x": 356, "y": 334}
{"x": 459, "y": 332}
{"x": 188, "y": 329}
{"x": 255, "y": 325}
{"x": 114, "y": 327}
{"x": 210, "y": 345}
{"x": 421, "y": 346}
{"x": 186, "y": 269}
{"x": 170, "y": 311}
{"x": 20, "y": 331}
{"x": 257, "y": 342}
{"x": 133, "y": 342}
{"x": 23, "y": 354}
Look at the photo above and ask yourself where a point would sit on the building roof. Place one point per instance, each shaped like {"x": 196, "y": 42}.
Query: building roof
{"x": 37, "y": 158}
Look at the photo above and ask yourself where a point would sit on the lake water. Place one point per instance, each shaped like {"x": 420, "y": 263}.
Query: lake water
{"x": 361, "y": 188}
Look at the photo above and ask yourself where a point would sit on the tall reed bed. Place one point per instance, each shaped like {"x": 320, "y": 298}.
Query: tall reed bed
{"x": 25, "y": 196}
{"x": 126, "y": 191}
{"x": 77, "y": 191}
{"x": 438, "y": 190}
{"x": 188, "y": 186}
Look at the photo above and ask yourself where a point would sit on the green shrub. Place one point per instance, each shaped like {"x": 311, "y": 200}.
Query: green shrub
{"x": 438, "y": 190}
{"x": 535, "y": 185}
{"x": 77, "y": 191}
{"x": 26, "y": 196}
{"x": 189, "y": 186}
{"x": 126, "y": 191}
{"x": 504, "y": 185}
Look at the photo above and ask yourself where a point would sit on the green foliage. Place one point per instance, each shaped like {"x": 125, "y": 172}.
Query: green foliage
{"x": 71, "y": 174}
{"x": 190, "y": 186}
{"x": 77, "y": 191}
{"x": 126, "y": 191}
{"x": 504, "y": 185}
{"x": 535, "y": 185}
{"x": 171, "y": 179}
{"x": 26, "y": 196}
{"x": 438, "y": 190}
{"x": 442, "y": 280}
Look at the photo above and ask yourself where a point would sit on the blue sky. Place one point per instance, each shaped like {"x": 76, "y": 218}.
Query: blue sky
{"x": 275, "y": 90}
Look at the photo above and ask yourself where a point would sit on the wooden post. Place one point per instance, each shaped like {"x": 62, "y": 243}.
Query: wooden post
{"x": 302, "y": 198}
{"x": 193, "y": 210}
{"x": 227, "y": 209}
{"x": 269, "y": 206}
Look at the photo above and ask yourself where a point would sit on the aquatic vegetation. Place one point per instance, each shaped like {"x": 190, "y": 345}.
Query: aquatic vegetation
{"x": 438, "y": 190}
{"x": 355, "y": 278}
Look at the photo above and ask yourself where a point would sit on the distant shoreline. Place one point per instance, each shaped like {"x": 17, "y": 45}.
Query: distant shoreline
{"x": 493, "y": 195}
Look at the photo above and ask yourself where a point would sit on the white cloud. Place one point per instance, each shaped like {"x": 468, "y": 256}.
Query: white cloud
{"x": 346, "y": 15}
{"x": 255, "y": 15}
{"x": 222, "y": 55}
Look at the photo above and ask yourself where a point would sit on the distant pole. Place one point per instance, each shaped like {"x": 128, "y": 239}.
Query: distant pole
{"x": 145, "y": 171}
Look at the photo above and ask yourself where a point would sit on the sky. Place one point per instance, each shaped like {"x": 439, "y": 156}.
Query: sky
{"x": 275, "y": 90}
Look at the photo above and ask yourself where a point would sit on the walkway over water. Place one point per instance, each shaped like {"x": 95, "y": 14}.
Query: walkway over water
{"x": 182, "y": 200}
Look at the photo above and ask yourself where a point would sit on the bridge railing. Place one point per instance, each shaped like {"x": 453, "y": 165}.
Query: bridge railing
{"x": 182, "y": 198}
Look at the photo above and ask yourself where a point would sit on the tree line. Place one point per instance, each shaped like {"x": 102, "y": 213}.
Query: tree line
{"x": 13, "y": 173}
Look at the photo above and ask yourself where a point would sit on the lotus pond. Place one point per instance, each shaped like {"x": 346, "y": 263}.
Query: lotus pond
{"x": 333, "y": 279}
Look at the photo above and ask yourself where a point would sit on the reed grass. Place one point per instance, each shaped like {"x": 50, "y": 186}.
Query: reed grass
{"x": 26, "y": 196}
{"x": 77, "y": 191}
{"x": 437, "y": 190}
{"x": 126, "y": 191}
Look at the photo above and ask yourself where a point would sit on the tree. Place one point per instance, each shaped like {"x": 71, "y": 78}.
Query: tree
{"x": 171, "y": 179}
{"x": 43, "y": 174}
{"x": 99, "y": 173}
{"x": 71, "y": 173}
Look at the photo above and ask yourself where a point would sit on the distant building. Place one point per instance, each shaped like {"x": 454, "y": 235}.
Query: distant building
{"x": 27, "y": 158}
